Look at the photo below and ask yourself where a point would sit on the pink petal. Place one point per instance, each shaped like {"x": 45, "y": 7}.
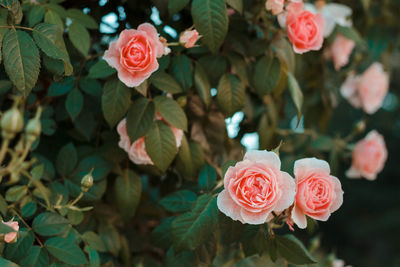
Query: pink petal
{"x": 299, "y": 218}
{"x": 153, "y": 34}
{"x": 287, "y": 186}
{"x": 267, "y": 158}
{"x": 338, "y": 201}
{"x": 228, "y": 207}
{"x": 254, "y": 217}
{"x": 303, "y": 167}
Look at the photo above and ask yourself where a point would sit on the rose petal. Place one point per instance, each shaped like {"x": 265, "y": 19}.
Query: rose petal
{"x": 288, "y": 191}
{"x": 227, "y": 206}
{"x": 267, "y": 158}
{"x": 299, "y": 218}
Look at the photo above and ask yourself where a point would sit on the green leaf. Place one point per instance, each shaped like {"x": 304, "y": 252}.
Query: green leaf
{"x": 127, "y": 189}
{"x": 61, "y": 88}
{"x": 140, "y": 118}
{"x": 16, "y": 251}
{"x": 101, "y": 168}
{"x": 36, "y": 257}
{"x": 236, "y": 4}
{"x": 53, "y": 18}
{"x": 231, "y": 94}
{"x": 182, "y": 69}
{"x": 29, "y": 209}
{"x": 7, "y": 263}
{"x": 101, "y": 70}
{"x": 110, "y": 238}
{"x": 165, "y": 82}
{"x": 14, "y": 7}
{"x": 266, "y": 75}
{"x": 193, "y": 228}
{"x": 78, "y": 16}
{"x": 202, "y": 84}
{"x": 254, "y": 240}
{"x": 50, "y": 40}
{"x": 174, "y": 6}
{"x": 293, "y": 250}
{"x": 350, "y": 33}
{"x": 94, "y": 240}
{"x": 90, "y": 86}
{"x": 284, "y": 52}
{"x": 171, "y": 112}
{"x": 65, "y": 250}
{"x": 74, "y": 103}
{"x": 142, "y": 88}
{"x": 36, "y": 15}
{"x": 161, "y": 235}
{"x": 179, "y": 201}
{"x": 21, "y": 60}
{"x": 190, "y": 158}
{"x": 211, "y": 20}
{"x": 94, "y": 257}
{"x": 239, "y": 66}
{"x": 296, "y": 93}
{"x": 207, "y": 177}
{"x": 115, "y": 101}
{"x": 5, "y": 229}
{"x": 160, "y": 145}
{"x": 67, "y": 159}
{"x": 49, "y": 224}
{"x": 79, "y": 37}
{"x": 16, "y": 192}
{"x": 3, "y": 206}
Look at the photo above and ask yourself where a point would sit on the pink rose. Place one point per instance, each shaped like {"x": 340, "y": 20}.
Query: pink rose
{"x": 304, "y": 29}
{"x": 134, "y": 55}
{"x": 341, "y": 49}
{"x": 255, "y": 187}
{"x": 368, "y": 90}
{"x": 369, "y": 157}
{"x": 188, "y": 38}
{"x": 276, "y": 6}
{"x": 318, "y": 193}
{"x": 137, "y": 150}
{"x": 11, "y": 237}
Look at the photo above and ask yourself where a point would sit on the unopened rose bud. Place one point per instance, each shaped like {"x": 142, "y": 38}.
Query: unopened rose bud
{"x": 34, "y": 127}
{"x": 11, "y": 123}
{"x": 360, "y": 126}
{"x": 188, "y": 38}
{"x": 12, "y": 236}
{"x": 87, "y": 181}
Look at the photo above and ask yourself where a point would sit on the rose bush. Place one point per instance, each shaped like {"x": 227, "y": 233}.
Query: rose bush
{"x": 198, "y": 133}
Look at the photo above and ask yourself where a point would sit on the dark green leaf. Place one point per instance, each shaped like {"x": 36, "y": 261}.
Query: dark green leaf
{"x": 7, "y": 263}
{"x": 192, "y": 229}
{"x": 160, "y": 145}
{"x": 231, "y": 94}
{"x": 79, "y": 37}
{"x": 171, "y": 112}
{"x": 207, "y": 177}
{"x": 293, "y": 250}
{"x": 49, "y": 224}
{"x": 74, "y": 103}
{"x": 101, "y": 70}
{"x": 16, "y": 192}
{"x": 54, "y": 18}
{"x": 65, "y": 250}
{"x": 14, "y": 7}
{"x": 266, "y": 75}
{"x": 90, "y": 86}
{"x": 100, "y": 166}
{"x": 165, "y": 82}
{"x": 211, "y": 20}
{"x": 202, "y": 84}
{"x": 127, "y": 189}
{"x": 36, "y": 257}
{"x": 94, "y": 257}
{"x": 95, "y": 241}
{"x": 115, "y": 101}
{"x": 296, "y": 93}
{"x": 61, "y": 88}
{"x": 236, "y": 4}
{"x": 140, "y": 118}
{"x": 179, "y": 201}
{"x": 84, "y": 19}
{"x": 66, "y": 159}
{"x": 16, "y": 251}
{"x": 36, "y": 15}
{"x": 161, "y": 235}
{"x": 5, "y": 229}
{"x": 29, "y": 209}
{"x": 182, "y": 69}
{"x": 111, "y": 238}
{"x": 21, "y": 60}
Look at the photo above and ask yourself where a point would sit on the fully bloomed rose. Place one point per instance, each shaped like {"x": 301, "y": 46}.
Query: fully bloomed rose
{"x": 369, "y": 157}
{"x": 11, "y": 237}
{"x": 134, "y": 55}
{"x": 304, "y": 29}
{"x": 340, "y": 51}
{"x": 255, "y": 187}
{"x": 368, "y": 90}
{"x": 189, "y": 38}
{"x": 318, "y": 193}
{"x": 137, "y": 150}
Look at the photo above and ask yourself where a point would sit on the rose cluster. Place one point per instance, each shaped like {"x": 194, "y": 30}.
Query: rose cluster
{"x": 256, "y": 190}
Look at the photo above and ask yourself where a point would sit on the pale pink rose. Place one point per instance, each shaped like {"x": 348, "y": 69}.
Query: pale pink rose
{"x": 134, "y": 55}
{"x": 256, "y": 187}
{"x": 304, "y": 29}
{"x": 188, "y": 38}
{"x": 137, "y": 150}
{"x": 11, "y": 237}
{"x": 373, "y": 87}
{"x": 276, "y": 6}
{"x": 367, "y": 90}
{"x": 341, "y": 50}
{"x": 369, "y": 157}
{"x": 318, "y": 193}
